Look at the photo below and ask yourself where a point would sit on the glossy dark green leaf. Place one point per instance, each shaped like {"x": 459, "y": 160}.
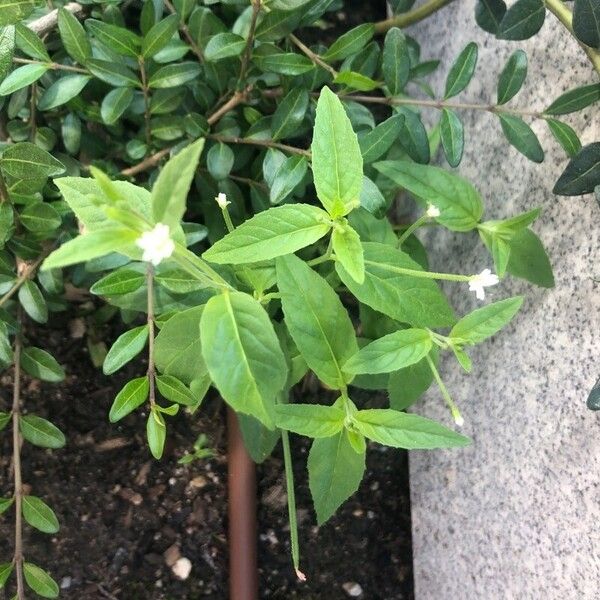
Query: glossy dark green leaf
{"x": 39, "y": 581}
{"x": 219, "y": 161}
{"x": 378, "y": 141}
{"x": 39, "y": 515}
{"x": 372, "y": 200}
{"x": 119, "y": 39}
{"x": 41, "y": 432}
{"x": 593, "y": 399}
{"x": 118, "y": 282}
{"x": 521, "y": 136}
{"x": 134, "y": 394}
{"x": 452, "y": 136}
{"x": 407, "y": 385}
{"x": 62, "y": 90}
{"x": 566, "y": 136}
{"x": 13, "y": 11}
{"x": 73, "y": 36}
{"x": 575, "y": 100}
{"x": 413, "y": 136}
{"x": 350, "y": 42}
{"x": 22, "y": 77}
{"x": 512, "y": 76}
{"x": 42, "y": 365}
{"x": 26, "y": 161}
{"x": 286, "y": 64}
{"x": 529, "y": 260}
{"x": 290, "y": 113}
{"x": 288, "y": 176}
{"x": 356, "y": 81}
{"x": 396, "y": 61}
{"x": 489, "y": 14}
{"x": 115, "y": 103}
{"x": 7, "y": 49}
{"x": 461, "y": 71}
{"x": 224, "y": 45}
{"x": 30, "y": 43}
{"x": 113, "y": 73}
{"x": 174, "y": 75}
{"x": 522, "y": 20}
{"x": 33, "y": 302}
{"x": 159, "y": 36}
{"x": 40, "y": 216}
{"x": 277, "y": 24}
{"x": 582, "y": 174}
{"x": 586, "y": 22}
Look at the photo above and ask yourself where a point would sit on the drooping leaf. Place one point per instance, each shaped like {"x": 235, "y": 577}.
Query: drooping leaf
{"x": 127, "y": 346}
{"x": 311, "y": 420}
{"x": 290, "y": 113}
{"x": 133, "y": 394}
{"x": 174, "y": 390}
{"x": 335, "y": 471}
{"x": 452, "y": 136}
{"x": 156, "y": 433}
{"x": 40, "y": 432}
{"x": 316, "y": 320}
{"x": 582, "y": 174}
{"x": 115, "y": 103}
{"x": 39, "y": 515}
{"x": 413, "y": 136}
{"x": 73, "y": 36}
{"x": 39, "y": 581}
{"x": 271, "y": 233}
{"x": 33, "y": 302}
{"x": 42, "y": 365}
{"x": 521, "y": 136}
{"x": 529, "y": 260}
{"x": 242, "y": 354}
{"x": 159, "y": 36}
{"x": 396, "y": 61}
{"x": 565, "y": 135}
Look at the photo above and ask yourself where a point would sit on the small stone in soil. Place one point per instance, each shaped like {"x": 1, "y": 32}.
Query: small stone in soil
{"x": 182, "y": 568}
{"x": 352, "y": 589}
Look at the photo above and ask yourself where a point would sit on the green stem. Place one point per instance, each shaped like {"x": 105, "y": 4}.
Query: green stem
{"x": 227, "y": 218}
{"x": 50, "y": 65}
{"x": 315, "y": 58}
{"x": 291, "y": 494}
{"x": 411, "y": 17}
{"x": 258, "y": 142}
{"x": 451, "y": 405}
{"x": 409, "y": 231}
{"x": 565, "y": 16}
{"x": 324, "y": 258}
{"x": 425, "y": 274}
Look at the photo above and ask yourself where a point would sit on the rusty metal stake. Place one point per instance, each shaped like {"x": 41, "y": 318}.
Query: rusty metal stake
{"x": 243, "y": 565}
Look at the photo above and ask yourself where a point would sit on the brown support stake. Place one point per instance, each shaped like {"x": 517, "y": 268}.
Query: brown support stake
{"x": 243, "y": 566}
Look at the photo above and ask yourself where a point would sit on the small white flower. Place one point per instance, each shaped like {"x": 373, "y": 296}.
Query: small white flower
{"x": 156, "y": 244}
{"x": 459, "y": 420}
{"x": 432, "y": 211}
{"x": 222, "y": 200}
{"x": 485, "y": 279}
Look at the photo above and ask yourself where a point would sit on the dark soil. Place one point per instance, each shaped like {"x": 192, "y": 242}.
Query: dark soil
{"x": 125, "y": 517}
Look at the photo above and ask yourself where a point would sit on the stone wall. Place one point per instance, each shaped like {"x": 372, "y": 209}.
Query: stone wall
{"x": 517, "y": 515}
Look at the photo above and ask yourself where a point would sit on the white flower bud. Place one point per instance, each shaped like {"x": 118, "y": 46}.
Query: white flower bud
{"x": 222, "y": 200}
{"x": 432, "y": 211}
{"x": 156, "y": 244}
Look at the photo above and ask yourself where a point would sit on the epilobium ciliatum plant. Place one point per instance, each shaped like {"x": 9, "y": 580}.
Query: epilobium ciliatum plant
{"x": 160, "y": 155}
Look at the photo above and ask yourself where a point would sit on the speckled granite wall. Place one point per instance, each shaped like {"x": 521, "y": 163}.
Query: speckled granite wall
{"x": 517, "y": 515}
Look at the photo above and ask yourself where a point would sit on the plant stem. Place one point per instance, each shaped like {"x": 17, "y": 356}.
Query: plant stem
{"x": 411, "y": 17}
{"x": 50, "y": 65}
{"x": 227, "y": 218}
{"x": 451, "y": 405}
{"x": 409, "y": 230}
{"x": 314, "y": 57}
{"x": 323, "y": 258}
{"x": 440, "y": 104}
{"x": 424, "y": 274}
{"x": 257, "y": 142}
{"x": 565, "y": 16}
{"x": 256, "y": 4}
{"x": 186, "y": 33}
{"x": 146, "y": 101}
{"x": 291, "y": 494}
{"x": 24, "y": 276}
{"x": 150, "y": 302}
{"x": 18, "y": 481}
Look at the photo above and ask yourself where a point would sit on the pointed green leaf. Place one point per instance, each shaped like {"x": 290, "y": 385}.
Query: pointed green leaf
{"x": 413, "y": 136}
{"x": 73, "y": 36}
{"x": 582, "y": 174}
{"x": 134, "y": 394}
{"x": 290, "y": 113}
{"x": 565, "y": 135}
{"x": 113, "y": 73}
{"x": 336, "y": 157}
{"x": 529, "y": 260}
{"x": 586, "y": 22}
{"x": 32, "y": 301}
{"x": 378, "y": 141}
{"x": 575, "y": 100}
{"x": 316, "y": 320}
{"x": 512, "y": 77}
{"x": 5, "y": 504}
{"x": 126, "y": 347}
{"x": 39, "y": 217}
{"x": 486, "y": 321}
{"x": 348, "y": 250}
{"x": 39, "y": 581}
{"x": 156, "y": 433}
{"x": 407, "y": 385}
{"x": 5, "y": 572}
{"x": 159, "y": 35}
{"x": 335, "y": 471}
{"x": 13, "y": 11}
{"x": 402, "y": 430}
{"x": 287, "y": 177}
{"x": 224, "y": 45}
{"x": 41, "y": 432}
{"x": 22, "y": 77}
{"x": 461, "y": 71}
{"x": 243, "y": 354}
{"x": 350, "y": 42}
{"x": 456, "y": 198}
{"x": 356, "y": 81}
{"x": 391, "y": 352}
{"x": 26, "y": 161}
{"x": 7, "y": 49}
{"x": 285, "y": 64}
{"x": 62, "y": 90}
{"x": 170, "y": 191}
{"x": 119, "y": 39}
{"x": 489, "y": 14}
{"x": 115, "y": 103}
{"x": 30, "y": 43}
{"x": 172, "y": 389}
{"x": 118, "y": 282}
{"x": 311, "y": 420}
{"x": 39, "y": 515}
{"x": 271, "y": 233}
{"x": 173, "y": 75}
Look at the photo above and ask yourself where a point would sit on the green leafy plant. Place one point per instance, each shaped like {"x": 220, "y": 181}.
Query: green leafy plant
{"x": 225, "y": 188}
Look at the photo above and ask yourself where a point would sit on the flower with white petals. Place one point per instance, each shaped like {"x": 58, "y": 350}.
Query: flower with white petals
{"x": 156, "y": 244}
{"x": 478, "y": 282}
{"x": 432, "y": 211}
{"x": 222, "y": 200}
